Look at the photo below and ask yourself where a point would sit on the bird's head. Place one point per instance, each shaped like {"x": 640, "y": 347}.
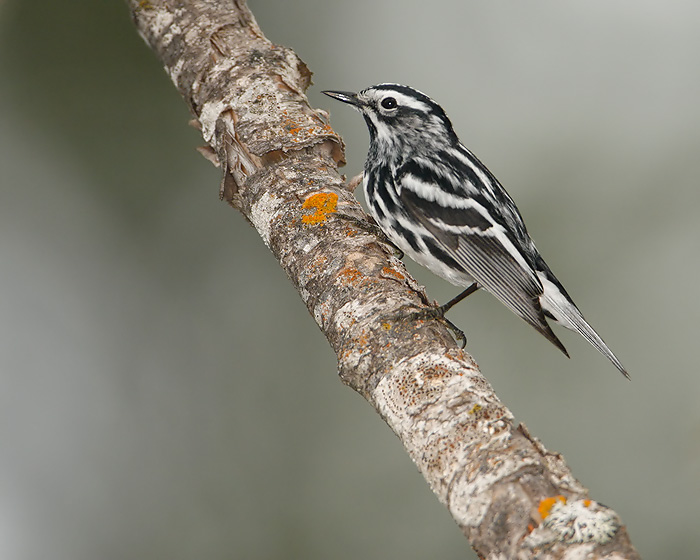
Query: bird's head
{"x": 400, "y": 117}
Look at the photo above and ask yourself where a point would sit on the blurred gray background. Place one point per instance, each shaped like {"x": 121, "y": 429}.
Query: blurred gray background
{"x": 165, "y": 394}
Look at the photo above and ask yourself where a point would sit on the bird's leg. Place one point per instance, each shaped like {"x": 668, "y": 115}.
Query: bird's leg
{"x": 439, "y": 313}
{"x": 459, "y": 297}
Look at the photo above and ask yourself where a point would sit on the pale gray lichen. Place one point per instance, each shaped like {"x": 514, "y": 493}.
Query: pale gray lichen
{"x": 208, "y": 116}
{"x": 582, "y": 521}
{"x": 262, "y": 213}
{"x": 174, "y": 31}
{"x": 175, "y": 72}
{"x": 162, "y": 20}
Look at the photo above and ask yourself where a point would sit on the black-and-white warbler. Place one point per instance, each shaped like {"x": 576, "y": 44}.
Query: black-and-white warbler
{"x": 442, "y": 207}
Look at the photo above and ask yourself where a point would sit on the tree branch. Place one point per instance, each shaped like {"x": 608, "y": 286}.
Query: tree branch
{"x": 510, "y": 496}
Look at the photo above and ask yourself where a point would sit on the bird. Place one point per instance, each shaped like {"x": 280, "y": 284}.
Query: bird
{"x": 441, "y": 206}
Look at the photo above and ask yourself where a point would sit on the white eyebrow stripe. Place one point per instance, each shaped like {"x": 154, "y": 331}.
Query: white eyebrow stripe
{"x": 411, "y": 102}
{"x": 402, "y": 99}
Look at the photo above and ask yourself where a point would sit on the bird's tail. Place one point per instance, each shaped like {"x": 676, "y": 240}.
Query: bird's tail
{"x": 557, "y": 303}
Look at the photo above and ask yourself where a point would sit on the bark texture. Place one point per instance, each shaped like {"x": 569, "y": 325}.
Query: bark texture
{"x": 511, "y": 497}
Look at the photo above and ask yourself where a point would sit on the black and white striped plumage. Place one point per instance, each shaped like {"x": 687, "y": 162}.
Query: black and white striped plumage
{"x": 440, "y": 205}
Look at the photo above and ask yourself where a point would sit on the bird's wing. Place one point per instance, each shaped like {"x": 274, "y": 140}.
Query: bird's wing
{"x": 462, "y": 226}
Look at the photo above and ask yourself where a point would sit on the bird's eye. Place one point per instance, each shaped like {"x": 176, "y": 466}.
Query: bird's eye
{"x": 389, "y": 103}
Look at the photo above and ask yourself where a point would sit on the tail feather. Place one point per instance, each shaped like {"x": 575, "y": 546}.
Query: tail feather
{"x": 565, "y": 312}
{"x": 545, "y": 330}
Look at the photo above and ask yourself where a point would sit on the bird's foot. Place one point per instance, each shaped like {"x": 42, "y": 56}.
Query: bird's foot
{"x": 439, "y": 313}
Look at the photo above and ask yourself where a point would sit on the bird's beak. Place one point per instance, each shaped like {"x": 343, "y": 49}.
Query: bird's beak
{"x": 344, "y": 96}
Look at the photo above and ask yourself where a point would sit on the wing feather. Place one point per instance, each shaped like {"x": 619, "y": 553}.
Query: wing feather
{"x": 482, "y": 247}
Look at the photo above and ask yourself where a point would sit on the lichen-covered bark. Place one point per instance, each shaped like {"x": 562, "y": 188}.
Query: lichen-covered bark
{"x": 279, "y": 159}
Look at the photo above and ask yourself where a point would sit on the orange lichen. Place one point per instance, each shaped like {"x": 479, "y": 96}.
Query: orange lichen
{"x": 350, "y": 275}
{"x": 546, "y": 505}
{"x": 363, "y": 339}
{"x": 587, "y": 503}
{"x": 319, "y": 261}
{"x": 323, "y": 203}
{"x": 297, "y": 129}
{"x": 392, "y": 272}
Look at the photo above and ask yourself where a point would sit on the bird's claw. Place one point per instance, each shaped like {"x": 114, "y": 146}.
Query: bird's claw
{"x": 439, "y": 313}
